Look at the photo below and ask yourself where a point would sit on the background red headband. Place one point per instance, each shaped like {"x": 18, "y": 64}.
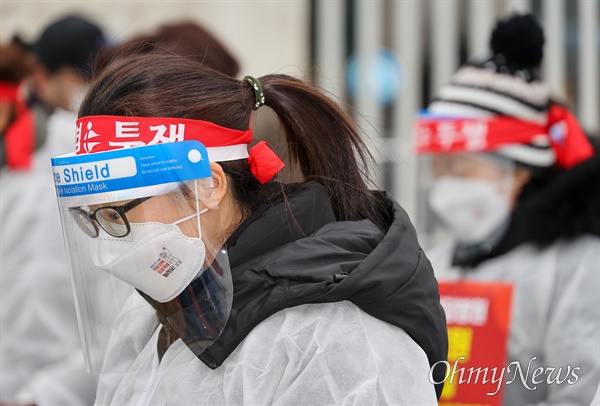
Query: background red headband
{"x": 8, "y": 91}
{"x": 19, "y": 137}
{"x": 105, "y": 133}
{"x": 440, "y": 135}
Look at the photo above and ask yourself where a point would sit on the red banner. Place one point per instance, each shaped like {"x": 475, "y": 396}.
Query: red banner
{"x": 478, "y": 318}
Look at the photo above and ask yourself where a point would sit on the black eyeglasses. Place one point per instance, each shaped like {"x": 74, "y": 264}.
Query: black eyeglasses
{"x": 112, "y": 219}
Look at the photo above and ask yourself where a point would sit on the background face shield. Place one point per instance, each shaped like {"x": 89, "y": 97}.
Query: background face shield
{"x": 145, "y": 222}
{"x": 463, "y": 197}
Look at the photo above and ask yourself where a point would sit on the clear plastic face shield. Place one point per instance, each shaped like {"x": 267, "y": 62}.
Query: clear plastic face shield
{"x": 145, "y": 219}
{"x": 463, "y": 196}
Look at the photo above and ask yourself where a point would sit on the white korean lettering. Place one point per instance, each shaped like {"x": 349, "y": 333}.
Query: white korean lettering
{"x": 126, "y": 129}
{"x": 475, "y": 134}
{"x": 423, "y": 136}
{"x": 466, "y": 311}
{"x": 176, "y": 133}
{"x": 78, "y": 137}
{"x": 126, "y": 144}
{"x": 448, "y": 134}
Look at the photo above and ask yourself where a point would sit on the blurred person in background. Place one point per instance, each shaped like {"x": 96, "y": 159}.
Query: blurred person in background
{"x": 40, "y": 355}
{"x": 515, "y": 181}
{"x": 22, "y": 120}
{"x": 184, "y": 38}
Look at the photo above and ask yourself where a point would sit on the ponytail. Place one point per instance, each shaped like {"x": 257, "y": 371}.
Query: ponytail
{"x": 324, "y": 142}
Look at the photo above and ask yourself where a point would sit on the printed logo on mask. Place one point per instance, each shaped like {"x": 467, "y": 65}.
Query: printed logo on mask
{"x": 166, "y": 263}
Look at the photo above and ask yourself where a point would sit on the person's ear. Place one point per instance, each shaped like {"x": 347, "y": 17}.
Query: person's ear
{"x": 40, "y": 78}
{"x": 521, "y": 177}
{"x": 39, "y": 74}
{"x": 219, "y": 180}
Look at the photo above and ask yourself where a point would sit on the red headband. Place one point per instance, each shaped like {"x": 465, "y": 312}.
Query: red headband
{"x": 105, "y": 133}
{"x": 8, "y": 91}
{"x": 439, "y": 135}
{"x": 19, "y": 136}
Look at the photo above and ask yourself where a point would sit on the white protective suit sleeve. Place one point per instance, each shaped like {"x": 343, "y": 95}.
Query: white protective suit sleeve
{"x": 311, "y": 354}
{"x": 38, "y": 325}
{"x": 573, "y": 331}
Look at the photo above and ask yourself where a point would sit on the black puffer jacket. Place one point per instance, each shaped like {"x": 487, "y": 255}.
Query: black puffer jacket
{"x": 385, "y": 274}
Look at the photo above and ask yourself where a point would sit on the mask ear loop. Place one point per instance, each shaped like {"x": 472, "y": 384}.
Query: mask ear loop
{"x": 198, "y": 207}
{"x": 198, "y": 211}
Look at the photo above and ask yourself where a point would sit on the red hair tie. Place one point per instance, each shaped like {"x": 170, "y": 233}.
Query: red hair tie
{"x": 264, "y": 163}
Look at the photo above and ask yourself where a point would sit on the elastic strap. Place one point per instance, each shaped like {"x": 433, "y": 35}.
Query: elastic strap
{"x": 259, "y": 96}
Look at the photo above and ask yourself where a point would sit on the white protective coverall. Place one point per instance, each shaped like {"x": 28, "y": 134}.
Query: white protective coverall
{"x": 40, "y": 352}
{"x": 555, "y": 315}
{"x": 312, "y": 354}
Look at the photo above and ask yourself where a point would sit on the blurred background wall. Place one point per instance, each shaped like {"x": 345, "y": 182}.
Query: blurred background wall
{"x": 267, "y": 36}
{"x": 382, "y": 58}
{"x": 388, "y": 57}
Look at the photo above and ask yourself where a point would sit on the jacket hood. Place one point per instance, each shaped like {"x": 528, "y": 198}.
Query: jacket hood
{"x": 279, "y": 260}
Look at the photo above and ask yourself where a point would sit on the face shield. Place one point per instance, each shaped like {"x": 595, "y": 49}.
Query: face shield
{"x": 145, "y": 219}
{"x": 465, "y": 189}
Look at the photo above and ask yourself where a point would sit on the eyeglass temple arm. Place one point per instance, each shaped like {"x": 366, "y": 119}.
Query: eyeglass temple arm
{"x": 134, "y": 203}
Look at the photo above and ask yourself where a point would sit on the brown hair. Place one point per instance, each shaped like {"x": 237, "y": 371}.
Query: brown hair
{"x": 16, "y": 63}
{"x": 184, "y": 38}
{"x": 321, "y": 138}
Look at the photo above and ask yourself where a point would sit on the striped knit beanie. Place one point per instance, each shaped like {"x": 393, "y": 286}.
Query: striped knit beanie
{"x": 501, "y": 105}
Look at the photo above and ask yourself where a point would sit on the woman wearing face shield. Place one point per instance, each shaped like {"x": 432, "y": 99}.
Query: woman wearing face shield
{"x": 514, "y": 181}
{"x": 248, "y": 289}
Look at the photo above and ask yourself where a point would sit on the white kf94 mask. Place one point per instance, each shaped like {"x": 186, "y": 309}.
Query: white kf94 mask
{"x": 156, "y": 258}
{"x": 471, "y": 209}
